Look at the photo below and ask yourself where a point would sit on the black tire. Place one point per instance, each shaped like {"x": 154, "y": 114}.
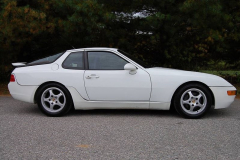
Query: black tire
{"x": 54, "y": 100}
{"x": 192, "y": 100}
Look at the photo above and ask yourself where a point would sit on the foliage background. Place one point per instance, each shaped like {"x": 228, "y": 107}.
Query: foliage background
{"x": 183, "y": 34}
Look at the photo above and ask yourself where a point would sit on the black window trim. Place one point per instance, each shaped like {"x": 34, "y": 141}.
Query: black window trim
{"x": 86, "y": 65}
{"x": 83, "y": 59}
{"x": 87, "y": 62}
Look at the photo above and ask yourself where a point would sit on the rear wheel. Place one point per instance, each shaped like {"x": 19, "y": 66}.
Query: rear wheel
{"x": 54, "y": 100}
{"x": 192, "y": 100}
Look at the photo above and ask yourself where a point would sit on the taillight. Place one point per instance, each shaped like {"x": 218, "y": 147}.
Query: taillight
{"x": 12, "y": 78}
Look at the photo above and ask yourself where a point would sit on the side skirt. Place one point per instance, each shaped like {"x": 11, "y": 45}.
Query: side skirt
{"x": 82, "y": 104}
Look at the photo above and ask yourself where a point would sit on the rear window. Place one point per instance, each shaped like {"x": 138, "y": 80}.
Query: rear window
{"x": 46, "y": 60}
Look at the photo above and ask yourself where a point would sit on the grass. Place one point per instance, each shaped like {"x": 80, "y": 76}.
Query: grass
{"x": 219, "y": 73}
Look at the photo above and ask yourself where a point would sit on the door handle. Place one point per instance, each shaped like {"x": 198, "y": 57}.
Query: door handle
{"x": 92, "y": 76}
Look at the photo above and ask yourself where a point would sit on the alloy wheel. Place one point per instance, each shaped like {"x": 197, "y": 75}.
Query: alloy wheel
{"x": 53, "y": 99}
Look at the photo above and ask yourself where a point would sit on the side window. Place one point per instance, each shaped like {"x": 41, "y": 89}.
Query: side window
{"x": 74, "y": 61}
{"x": 105, "y": 61}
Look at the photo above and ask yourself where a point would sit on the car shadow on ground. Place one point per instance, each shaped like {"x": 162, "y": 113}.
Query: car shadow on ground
{"x": 219, "y": 113}
{"x": 151, "y": 113}
{"x": 124, "y": 112}
{"x": 33, "y": 110}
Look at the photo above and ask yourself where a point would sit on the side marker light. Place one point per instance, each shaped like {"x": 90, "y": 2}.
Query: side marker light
{"x": 232, "y": 93}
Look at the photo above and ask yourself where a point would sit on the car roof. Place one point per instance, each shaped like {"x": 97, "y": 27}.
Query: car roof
{"x": 93, "y": 49}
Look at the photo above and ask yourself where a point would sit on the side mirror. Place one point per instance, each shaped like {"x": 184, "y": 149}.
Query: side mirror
{"x": 132, "y": 69}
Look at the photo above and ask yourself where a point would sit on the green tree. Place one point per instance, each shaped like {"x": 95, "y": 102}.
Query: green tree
{"x": 185, "y": 34}
{"x": 32, "y": 29}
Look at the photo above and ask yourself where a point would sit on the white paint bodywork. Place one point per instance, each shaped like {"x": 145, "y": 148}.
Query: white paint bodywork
{"x": 166, "y": 80}
{"x": 22, "y": 93}
{"x": 221, "y": 100}
{"x": 151, "y": 88}
{"x": 118, "y": 85}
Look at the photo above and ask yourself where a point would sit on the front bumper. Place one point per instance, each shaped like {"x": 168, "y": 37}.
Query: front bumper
{"x": 222, "y": 99}
{"x": 22, "y": 93}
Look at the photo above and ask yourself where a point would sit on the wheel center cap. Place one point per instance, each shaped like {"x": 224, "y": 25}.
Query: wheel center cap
{"x": 53, "y": 99}
{"x": 193, "y": 101}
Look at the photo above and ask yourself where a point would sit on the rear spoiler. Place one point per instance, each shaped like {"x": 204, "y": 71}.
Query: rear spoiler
{"x": 19, "y": 64}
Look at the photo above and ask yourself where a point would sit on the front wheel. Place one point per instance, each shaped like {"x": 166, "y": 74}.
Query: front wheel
{"x": 192, "y": 100}
{"x": 54, "y": 100}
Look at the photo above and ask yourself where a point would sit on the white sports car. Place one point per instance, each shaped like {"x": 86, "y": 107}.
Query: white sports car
{"x": 107, "y": 78}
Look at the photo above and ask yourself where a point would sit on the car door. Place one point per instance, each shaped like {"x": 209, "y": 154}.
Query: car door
{"x": 106, "y": 79}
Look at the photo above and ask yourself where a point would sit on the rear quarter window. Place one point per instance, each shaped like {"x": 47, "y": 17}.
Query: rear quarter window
{"x": 46, "y": 60}
{"x": 74, "y": 60}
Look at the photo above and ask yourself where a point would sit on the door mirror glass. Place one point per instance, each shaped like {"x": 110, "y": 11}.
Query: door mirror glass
{"x": 132, "y": 69}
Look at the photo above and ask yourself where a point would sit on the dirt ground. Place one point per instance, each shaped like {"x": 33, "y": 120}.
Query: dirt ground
{"x": 4, "y": 89}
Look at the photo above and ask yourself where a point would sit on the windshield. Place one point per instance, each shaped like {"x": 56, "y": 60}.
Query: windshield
{"x": 140, "y": 62}
{"x": 46, "y": 60}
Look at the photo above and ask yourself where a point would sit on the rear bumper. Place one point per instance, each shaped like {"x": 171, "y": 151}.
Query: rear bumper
{"x": 22, "y": 93}
{"x": 222, "y": 99}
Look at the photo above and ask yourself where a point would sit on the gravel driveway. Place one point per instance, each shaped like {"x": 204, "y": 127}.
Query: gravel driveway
{"x": 25, "y": 133}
